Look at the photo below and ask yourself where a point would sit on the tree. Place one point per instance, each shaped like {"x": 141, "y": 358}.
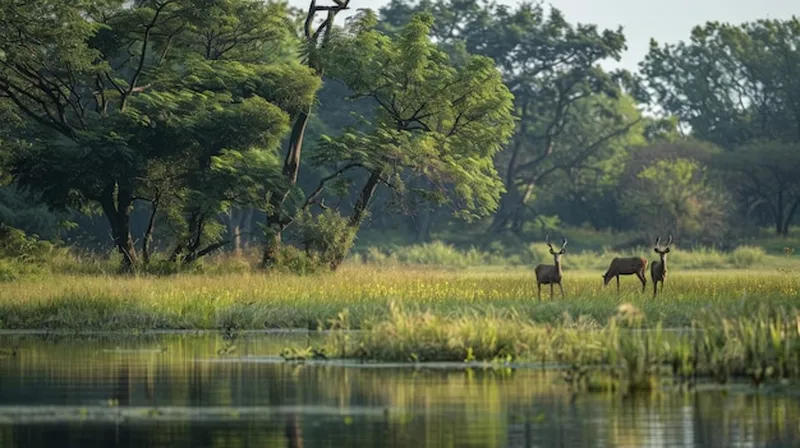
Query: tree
{"x": 435, "y": 120}
{"x": 731, "y": 83}
{"x": 314, "y": 44}
{"x": 549, "y": 65}
{"x": 764, "y": 176}
{"x": 737, "y": 86}
{"x": 669, "y": 187}
{"x": 583, "y": 188}
{"x": 112, "y": 92}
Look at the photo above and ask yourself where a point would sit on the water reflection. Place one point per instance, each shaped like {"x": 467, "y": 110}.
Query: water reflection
{"x": 176, "y": 391}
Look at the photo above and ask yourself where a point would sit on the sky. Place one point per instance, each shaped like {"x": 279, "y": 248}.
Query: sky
{"x": 641, "y": 20}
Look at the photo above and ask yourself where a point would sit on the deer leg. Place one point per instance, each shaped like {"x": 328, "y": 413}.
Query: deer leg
{"x": 562, "y": 290}
{"x": 551, "y": 291}
{"x": 539, "y": 286}
{"x": 655, "y": 288}
{"x": 618, "y": 285}
{"x": 642, "y": 279}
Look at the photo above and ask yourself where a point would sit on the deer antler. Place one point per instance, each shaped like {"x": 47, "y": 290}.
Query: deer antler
{"x": 658, "y": 240}
{"x": 669, "y": 240}
{"x": 547, "y": 241}
{"x": 564, "y": 242}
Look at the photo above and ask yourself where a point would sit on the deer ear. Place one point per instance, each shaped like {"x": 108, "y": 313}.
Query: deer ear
{"x": 655, "y": 250}
{"x": 668, "y": 249}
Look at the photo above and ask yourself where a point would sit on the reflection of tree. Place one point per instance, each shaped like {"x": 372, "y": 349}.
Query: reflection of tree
{"x": 294, "y": 434}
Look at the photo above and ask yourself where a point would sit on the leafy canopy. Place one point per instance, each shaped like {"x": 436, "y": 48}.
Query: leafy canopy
{"x": 434, "y": 120}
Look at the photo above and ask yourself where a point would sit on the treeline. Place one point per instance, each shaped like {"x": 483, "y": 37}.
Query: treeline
{"x": 190, "y": 126}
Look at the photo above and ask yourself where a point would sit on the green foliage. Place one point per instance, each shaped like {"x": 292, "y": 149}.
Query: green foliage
{"x": 436, "y": 122}
{"x": 731, "y": 83}
{"x": 180, "y": 104}
{"x": 764, "y": 176}
{"x": 747, "y": 256}
{"x": 20, "y": 254}
{"x": 23, "y": 211}
{"x": 326, "y": 237}
{"x": 675, "y": 195}
{"x": 565, "y": 104}
{"x": 292, "y": 260}
{"x": 16, "y": 245}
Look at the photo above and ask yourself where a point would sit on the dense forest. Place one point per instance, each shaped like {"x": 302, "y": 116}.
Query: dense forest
{"x": 186, "y": 127}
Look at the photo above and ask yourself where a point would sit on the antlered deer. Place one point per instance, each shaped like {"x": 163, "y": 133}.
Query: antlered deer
{"x": 626, "y": 266}
{"x": 550, "y": 274}
{"x": 658, "y": 269}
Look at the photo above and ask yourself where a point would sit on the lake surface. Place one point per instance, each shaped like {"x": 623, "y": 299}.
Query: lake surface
{"x": 183, "y": 390}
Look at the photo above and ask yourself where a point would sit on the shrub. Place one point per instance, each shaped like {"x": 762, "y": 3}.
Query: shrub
{"x": 746, "y": 256}
{"x": 292, "y": 260}
{"x": 328, "y": 236}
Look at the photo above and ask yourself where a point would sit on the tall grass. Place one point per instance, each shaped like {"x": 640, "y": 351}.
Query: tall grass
{"x": 441, "y": 254}
{"x": 763, "y": 346}
{"x": 256, "y": 301}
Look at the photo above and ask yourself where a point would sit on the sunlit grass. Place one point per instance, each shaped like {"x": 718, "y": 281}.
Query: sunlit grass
{"x": 760, "y": 347}
{"x": 258, "y": 301}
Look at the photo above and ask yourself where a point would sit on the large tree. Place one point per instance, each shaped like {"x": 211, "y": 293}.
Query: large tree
{"x": 434, "y": 120}
{"x": 731, "y": 83}
{"x": 111, "y": 91}
{"x": 737, "y": 86}
{"x": 551, "y": 67}
{"x": 764, "y": 175}
{"x": 315, "y": 37}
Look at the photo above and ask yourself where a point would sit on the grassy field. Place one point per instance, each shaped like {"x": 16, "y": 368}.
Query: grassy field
{"x": 717, "y": 323}
{"x": 258, "y": 301}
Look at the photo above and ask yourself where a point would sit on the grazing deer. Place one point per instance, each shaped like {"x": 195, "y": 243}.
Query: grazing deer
{"x": 626, "y": 266}
{"x": 658, "y": 269}
{"x": 550, "y": 274}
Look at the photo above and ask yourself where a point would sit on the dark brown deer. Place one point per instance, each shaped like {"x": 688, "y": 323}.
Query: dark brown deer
{"x": 658, "y": 269}
{"x": 550, "y": 274}
{"x": 626, "y": 266}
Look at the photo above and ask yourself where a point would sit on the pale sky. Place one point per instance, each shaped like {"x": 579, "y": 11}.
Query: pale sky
{"x": 642, "y": 20}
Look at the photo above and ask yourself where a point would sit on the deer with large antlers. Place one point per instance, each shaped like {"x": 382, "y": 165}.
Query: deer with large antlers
{"x": 626, "y": 266}
{"x": 658, "y": 269}
{"x": 550, "y": 274}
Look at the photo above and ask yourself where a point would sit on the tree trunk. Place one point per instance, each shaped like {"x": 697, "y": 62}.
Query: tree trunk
{"x": 789, "y": 217}
{"x": 247, "y": 228}
{"x": 362, "y": 204}
{"x": 117, "y": 211}
{"x": 423, "y": 225}
{"x": 510, "y": 206}
{"x": 148, "y": 234}
{"x": 291, "y": 168}
{"x": 234, "y": 230}
{"x": 360, "y": 210}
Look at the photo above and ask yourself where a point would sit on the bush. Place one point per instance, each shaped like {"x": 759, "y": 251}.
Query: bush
{"x": 15, "y": 244}
{"x": 746, "y": 256}
{"x": 327, "y": 237}
{"x": 292, "y": 260}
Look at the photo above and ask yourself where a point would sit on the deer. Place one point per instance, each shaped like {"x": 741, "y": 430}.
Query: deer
{"x": 626, "y": 266}
{"x": 658, "y": 269}
{"x": 549, "y": 274}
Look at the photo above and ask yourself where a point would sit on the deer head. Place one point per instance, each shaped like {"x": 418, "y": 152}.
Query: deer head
{"x": 662, "y": 250}
{"x": 556, "y": 255}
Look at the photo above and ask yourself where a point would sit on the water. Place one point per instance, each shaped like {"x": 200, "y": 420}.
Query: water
{"x": 196, "y": 391}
